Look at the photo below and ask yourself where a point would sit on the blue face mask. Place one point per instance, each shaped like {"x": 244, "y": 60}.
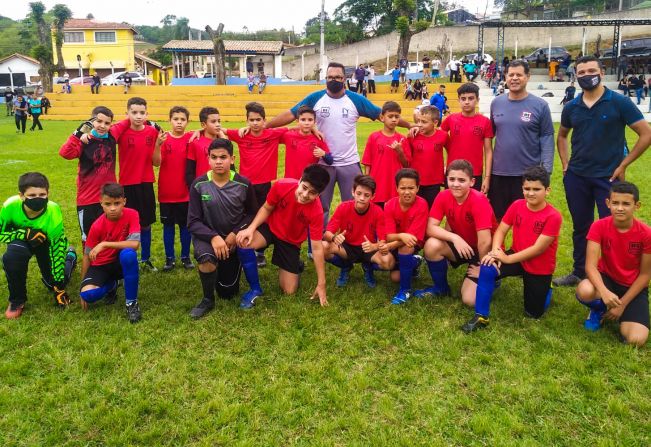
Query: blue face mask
{"x": 97, "y": 135}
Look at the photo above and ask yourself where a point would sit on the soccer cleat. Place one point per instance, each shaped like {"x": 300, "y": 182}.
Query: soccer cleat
{"x": 261, "y": 260}
{"x": 368, "y": 275}
{"x": 431, "y": 291}
{"x": 301, "y": 266}
{"x": 187, "y": 263}
{"x": 147, "y": 266}
{"x": 344, "y": 276}
{"x": 201, "y": 309}
{"x": 112, "y": 295}
{"x": 70, "y": 264}
{"x": 477, "y": 322}
{"x": 569, "y": 280}
{"x": 401, "y": 297}
{"x": 593, "y": 322}
{"x": 248, "y": 299}
{"x": 419, "y": 261}
{"x": 169, "y": 264}
{"x": 133, "y": 312}
{"x": 14, "y": 311}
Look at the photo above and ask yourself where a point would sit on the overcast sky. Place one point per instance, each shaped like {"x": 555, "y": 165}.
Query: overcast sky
{"x": 254, "y": 14}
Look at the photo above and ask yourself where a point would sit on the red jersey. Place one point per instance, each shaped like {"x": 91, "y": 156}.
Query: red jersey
{"x": 298, "y": 152}
{"x": 621, "y": 253}
{"x": 290, "y": 220}
{"x": 198, "y": 151}
{"x": 467, "y": 218}
{"x": 384, "y": 162}
{"x": 466, "y": 141}
{"x": 427, "y": 157}
{"x": 527, "y": 226}
{"x": 96, "y": 166}
{"x": 171, "y": 177}
{"x": 369, "y": 224}
{"x": 126, "y": 228}
{"x": 135, "y": 152}
{"x": 258, "y": 155}
{"x": 412, "y": 221}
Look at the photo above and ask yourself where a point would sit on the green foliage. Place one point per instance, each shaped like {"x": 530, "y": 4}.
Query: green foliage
{"x": 15, "y": 37}
{"x": 41, "y": 52}
{"x": 402, "y": 25}
{"x": 335, "y": 31}
{"x": 373, "y": 16}
{"x": 421, "y": 25}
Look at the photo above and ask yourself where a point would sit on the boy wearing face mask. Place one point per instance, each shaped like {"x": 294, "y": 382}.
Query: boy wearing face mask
{"x": 598, "y": 118}
{"x": 31, "y": 225}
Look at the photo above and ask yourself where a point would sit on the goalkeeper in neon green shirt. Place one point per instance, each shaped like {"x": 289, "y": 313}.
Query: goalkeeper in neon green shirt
{"x": 31, "y": 225}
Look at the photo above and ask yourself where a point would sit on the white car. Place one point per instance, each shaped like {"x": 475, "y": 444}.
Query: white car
{"x": 117, "y": 78}
{"x": 413, "y": 67}
{"x": 473, "y": 56}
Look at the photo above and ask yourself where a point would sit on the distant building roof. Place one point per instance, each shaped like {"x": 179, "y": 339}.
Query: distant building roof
{"x": 20, "y": 56}
{"x": 231, "y": 46}
{"x": 95, "y": 24}
{"x": 149, "y": 60}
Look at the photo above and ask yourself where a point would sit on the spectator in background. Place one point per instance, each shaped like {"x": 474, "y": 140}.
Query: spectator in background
{"x": 9, "y": 101}
{"x": 371, "y": 79}
{"x": 262, "y": 83}
{"x": 440, "y": 101}
{"x": 260, "y": 66}
{"x": 360, "y": 74}
{"x": 404, "y": 63}
{"x": 35, "y": 109}
{"x": 570, "y": 91}
{"x": 436, "y": 68}
{"x": 94, "y": 87}
{"x": 127, "y": 82}
{"x": 426, "y": 69}
{"x": 20, "y": 107}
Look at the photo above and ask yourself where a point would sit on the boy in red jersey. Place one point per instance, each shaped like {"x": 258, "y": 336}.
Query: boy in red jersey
{"x": 136, "y": 139}
{"x": 386, "y": 152}
{"x": 291, "y": 210}
{"x": 405, "y": 220}
{"x": 536, "y": 226}
{"x": 171, "y": 155}
{"x": 465, "y": 239}
{"x": 197, "y": 160}
{"x": 618, "y": 266}
{"x": 355, "y": 233}
{"x": 110, "y": 253}
{"x": 427, "y": 153}
{"x": 302, "y": 147}
{"x": 96, "y": 154}
{"x": 471, "y": 136}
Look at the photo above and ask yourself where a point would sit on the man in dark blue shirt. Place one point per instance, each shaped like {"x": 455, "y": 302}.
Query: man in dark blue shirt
{"x": 598, "y": 118}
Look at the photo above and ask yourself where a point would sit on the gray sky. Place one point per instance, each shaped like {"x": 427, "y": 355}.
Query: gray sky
{"x": 254, "y": 14}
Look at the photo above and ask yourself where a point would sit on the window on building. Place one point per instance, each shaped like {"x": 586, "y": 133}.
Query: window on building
{"x": 105, "y": 36}
{"x": 73, "y": 36}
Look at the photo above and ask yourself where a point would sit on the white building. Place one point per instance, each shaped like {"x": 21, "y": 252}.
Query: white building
{"x": 20, "y": 69}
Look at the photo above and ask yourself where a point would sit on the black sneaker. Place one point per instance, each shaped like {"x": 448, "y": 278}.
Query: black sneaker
{"x": 112, "y": 295}
{"x": 133, "y": 312}
{"x": 147, "y": 266}
{"x": 477, "y": 322}
{"x": 261, "y": 260}
{"x": 419, "y": 262}
{"x": 201, "y": 309}
{"x": 569, "y": 280}
{"x": 169, "y": 265}
{"x": 187, "y": 263}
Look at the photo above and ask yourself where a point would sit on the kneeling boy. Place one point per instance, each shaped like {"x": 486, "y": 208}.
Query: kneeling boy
{"x": 355, "y": 232}
{"x": 618, "y": 266}
{"x": 291, "y": 209}
{"x": 110, "y": 253}
{"x": 222, "y": 203}
{"x": 536, "y": 226}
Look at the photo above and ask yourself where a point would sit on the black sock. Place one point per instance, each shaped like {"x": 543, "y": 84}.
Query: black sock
{"x": 208, "y": 284}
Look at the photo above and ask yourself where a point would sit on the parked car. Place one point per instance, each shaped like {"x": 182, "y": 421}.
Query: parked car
{"x": 557, "y": 53}
{"x": 87, "y": 80}
{"x": 638, "y": 47}
{"x": 413, "y": 67}
{"x": 473, "y": 56}
{"x": 117, "y": 78}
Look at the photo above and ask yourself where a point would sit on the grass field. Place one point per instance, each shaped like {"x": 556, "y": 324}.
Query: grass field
{"x": 359, "y": 372}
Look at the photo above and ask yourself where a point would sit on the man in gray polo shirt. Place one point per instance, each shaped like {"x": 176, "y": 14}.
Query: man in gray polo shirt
{"x": 524, "y": 137}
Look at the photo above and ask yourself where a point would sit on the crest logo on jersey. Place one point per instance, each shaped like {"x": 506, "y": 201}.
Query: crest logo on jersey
{"x": 282, "y": 203}
{"x": 526, "y": 117}
{"x": 538, "y": 226}
{"x": 477, "y": 130}
{"x": 468, "y": 218}
{"x": 344, "y": 113}
{"x": 149, "y": 140}
{"x": 635, "y": 248}
{"x": 518, "y": 220}
{"x": 324, "y": 112}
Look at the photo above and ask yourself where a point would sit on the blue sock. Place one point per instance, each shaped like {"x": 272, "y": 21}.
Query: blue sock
{"x": 93, "y": 295}
{"x": 340, "y": 262}
{"x": 168, "y": 241}
{"x": 145, "y": 244}
{"x": 548, "y": 298}
{"x": 485, "y": 288}
{"x": 438, "y": 270}
{"x": 375, "y": 266}
{"x": 596, "y": 305}
{"x": 129, "y": 263}
{"x": 250, "y": 267}
{"x": 406, "y": 264}
{"x": 186, "y": 239}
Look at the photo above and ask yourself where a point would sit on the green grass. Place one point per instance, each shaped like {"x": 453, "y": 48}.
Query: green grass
{"x": 360, "y": 372}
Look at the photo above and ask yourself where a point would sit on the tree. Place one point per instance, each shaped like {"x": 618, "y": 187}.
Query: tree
{"x": 60, "y": 15}
{"x": 90, "y": 16}
{"x": 336, "y": 31}
{"x": 405, "y": 26}
{"x": 220, "y": 51}
{"x": 42, "y": 52}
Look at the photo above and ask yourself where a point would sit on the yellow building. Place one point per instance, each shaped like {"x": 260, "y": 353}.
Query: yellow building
{"x": 96, "y": 45}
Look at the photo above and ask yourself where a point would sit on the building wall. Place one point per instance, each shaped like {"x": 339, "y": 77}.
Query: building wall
{"x": 98, "y": 55}
{"x": 19, "y": 65}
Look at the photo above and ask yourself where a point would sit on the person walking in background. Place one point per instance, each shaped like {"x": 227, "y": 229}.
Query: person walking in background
{"x": 35, "y": 109}
{"x": 9, "y": 101}
{"x": 371, "y": 79}
{"x": 20, "y": 107}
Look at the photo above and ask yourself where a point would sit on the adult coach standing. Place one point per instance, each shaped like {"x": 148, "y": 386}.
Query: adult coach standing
{"x": 337, "y": 111}
{"x": 598, "y": 118}
{"x": 524, "y": 137}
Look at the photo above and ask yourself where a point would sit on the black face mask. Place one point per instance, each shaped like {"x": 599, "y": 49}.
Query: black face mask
{"x": 335, "y": 86}
{"x": 36, "y": 203}
{"x": 589, "y": 82}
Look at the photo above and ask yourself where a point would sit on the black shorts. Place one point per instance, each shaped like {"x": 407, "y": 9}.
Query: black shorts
{"x": 86, "y": 215}
{"x": 637, "y": 310}
{"x": 395, "y": 83}
{"x": 141, "y": 198}
{"x": 429, "y": 193}
{"x": 535, "y": 287}
{"x": 286, "y": 256}
{"x": 261, "y": 191}
{"x": 503, "y": 192}
{"x": 459, "y": 260}
{"x": 355, "y": 253}
{"x": 98, "y": 275}
{"x": 228, "y": 270}
{"x": 174, "y": 213}
{"x": 395, "y": 254}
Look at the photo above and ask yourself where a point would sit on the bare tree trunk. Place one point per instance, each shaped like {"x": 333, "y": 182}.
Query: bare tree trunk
{"x": 220, "y": 51}
{"x": 403, "y": 44}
